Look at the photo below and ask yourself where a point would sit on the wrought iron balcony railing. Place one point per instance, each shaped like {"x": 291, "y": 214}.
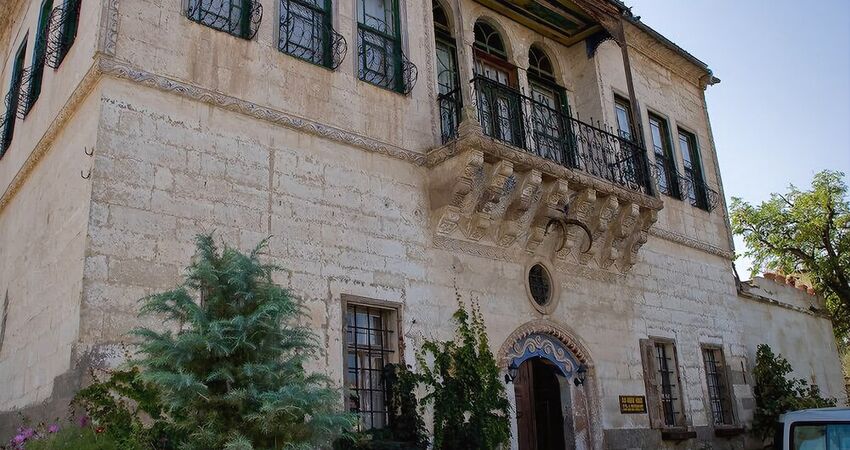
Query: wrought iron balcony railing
{"x": 7, "y": 124}
{"x": 240, "y": 18}
{"x": 698, "y": 193}
{"x": 685, "y": 187}
{"x": 62, "y": 31}
{"x": 306, "y": 32}
{"x": 450, "y": 105}
{"x": 509, "y": 116}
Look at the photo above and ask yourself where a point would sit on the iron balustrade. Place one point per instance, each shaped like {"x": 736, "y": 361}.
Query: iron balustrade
{"x": 240, "y": 18}
{"x": 683, "y": 187}
{"x": 306, "y": 32}
{"x": 698, "y": 193}
{"x": 509, "y": 116}
{"x": 24, "y": 103}
{"x": 62, "y": 31}
{"x": 450, "y": 105}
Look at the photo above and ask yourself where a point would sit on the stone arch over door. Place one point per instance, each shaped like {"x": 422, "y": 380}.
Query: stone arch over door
{"x": 559, "y": 345}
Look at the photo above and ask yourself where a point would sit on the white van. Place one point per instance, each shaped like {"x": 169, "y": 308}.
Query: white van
{"x": 813, "y": 429}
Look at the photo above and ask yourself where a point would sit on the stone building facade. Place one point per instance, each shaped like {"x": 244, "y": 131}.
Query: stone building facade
{"x": 401, "y": 154}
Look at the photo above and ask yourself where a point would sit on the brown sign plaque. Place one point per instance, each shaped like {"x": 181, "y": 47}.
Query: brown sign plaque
{"x": 632, "y": 404}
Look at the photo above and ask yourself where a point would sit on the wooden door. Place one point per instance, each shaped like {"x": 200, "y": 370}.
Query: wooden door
{"x": 525, "y": 414}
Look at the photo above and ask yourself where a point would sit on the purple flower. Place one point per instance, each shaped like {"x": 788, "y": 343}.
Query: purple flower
{"x": 19, "y": 439}
{"x": 27, "y": 433}
{"x": 83, "y": 421}
{"x": 53, "y": 428}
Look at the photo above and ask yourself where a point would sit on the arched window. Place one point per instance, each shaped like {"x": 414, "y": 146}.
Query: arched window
{"x": 549, "y": 108}
{"x": 488, "y": 40}
{"x": 447, "y": 74}
{"x": 499, "y": 104}
{"x": 539, "y": 64}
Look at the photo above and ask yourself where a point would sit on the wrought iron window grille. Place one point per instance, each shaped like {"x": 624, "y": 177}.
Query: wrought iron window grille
{"x": 716, "y": 387}
{"x": 24, "y": 103}
{"x": 686, "y": 188}
{"x": 668, "y": 391}
{"x": 368, "y": 351}
{"x": 306, "y": 32}
{"x": 507, "y": 115}
{"x": 450, "y": 105}
{"x": 62, "y": 32}
{"x": 5, "y": 134}
{"x": 381, "y": 60}
{"x": 240, "y": 18}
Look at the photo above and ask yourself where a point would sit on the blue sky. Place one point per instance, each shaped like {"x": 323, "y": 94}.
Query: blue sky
{"x": 782, "y": 111}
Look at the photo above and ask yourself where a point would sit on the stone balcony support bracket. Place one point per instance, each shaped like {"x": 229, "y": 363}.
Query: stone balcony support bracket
{"x": 490, "y": 193}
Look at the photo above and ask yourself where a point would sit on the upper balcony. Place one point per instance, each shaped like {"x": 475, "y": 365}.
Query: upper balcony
{"x": 517, "y": 170}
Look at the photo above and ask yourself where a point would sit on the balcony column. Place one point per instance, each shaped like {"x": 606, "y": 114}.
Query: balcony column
{"x": 466, "y": 70}
{"x": 635, "y": 107}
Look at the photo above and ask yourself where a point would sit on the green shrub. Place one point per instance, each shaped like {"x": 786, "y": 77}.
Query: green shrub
{"x": 232, "y": 374}
{"x": 75, "y": 438}
{"x": 776, "y": 393}
{"x": 470, "y": 406}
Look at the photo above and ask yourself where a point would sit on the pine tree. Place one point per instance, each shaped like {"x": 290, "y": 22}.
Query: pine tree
{"x": 470, "y": 406}
{"x": 232, "y": 374}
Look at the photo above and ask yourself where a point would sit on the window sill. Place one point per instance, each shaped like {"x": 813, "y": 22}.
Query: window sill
{"x": 677, "y": 434}
{"x": 728, "y": 431}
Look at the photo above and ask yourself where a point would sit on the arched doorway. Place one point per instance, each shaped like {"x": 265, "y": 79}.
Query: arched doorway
{"x": 542, "y": 407}
{"x": 553, "y": 410}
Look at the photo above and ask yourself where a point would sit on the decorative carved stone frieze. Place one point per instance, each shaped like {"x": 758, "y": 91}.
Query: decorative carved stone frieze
{"x": 484, "y": 191}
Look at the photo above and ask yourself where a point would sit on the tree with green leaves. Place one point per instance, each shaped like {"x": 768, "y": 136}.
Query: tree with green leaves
{"x": 775, "y": 393}
{"x": 230, "y": 370}
{"x": 471, "y": 409}
{"x": 805, "y": 232}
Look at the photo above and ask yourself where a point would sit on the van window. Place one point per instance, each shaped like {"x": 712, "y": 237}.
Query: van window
{"x": 821, "y": 437}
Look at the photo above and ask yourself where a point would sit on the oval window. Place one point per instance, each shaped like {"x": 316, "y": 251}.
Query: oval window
{"x": 540, "y": 284}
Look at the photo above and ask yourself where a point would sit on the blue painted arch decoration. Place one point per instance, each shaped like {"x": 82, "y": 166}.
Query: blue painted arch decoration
{"x": 540, "y": 345}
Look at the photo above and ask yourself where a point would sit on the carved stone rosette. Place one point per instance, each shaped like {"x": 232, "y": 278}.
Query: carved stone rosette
{"x": 484, "y": 191}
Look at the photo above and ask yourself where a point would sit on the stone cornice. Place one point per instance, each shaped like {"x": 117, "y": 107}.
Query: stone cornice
{"x": 689, "y": 242}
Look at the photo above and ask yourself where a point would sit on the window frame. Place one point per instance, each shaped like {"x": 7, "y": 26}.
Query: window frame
{"x": 695, "y": 170}
{"x": 724, "y": 389}
{"x": 620, "y": 101}
{"x": 654, "y": 399}
{"x": 396, "y": 81}
{"x": 327, "y": 33}
{"x": 668, "y": 160}
{"x": 825, "y": 424}
{"x": 561, "y": 111}
{"x": 395, "y": 355}
{"x": 13, "y": 93}
{"x": 449, "y": 98}
{"x": 195, "y": 9}
{"x": 39, "y": 54}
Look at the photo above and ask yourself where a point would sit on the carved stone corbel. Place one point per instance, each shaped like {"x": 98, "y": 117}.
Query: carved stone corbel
{"x": 453, "y": 181}
{"x": 605, "y": 210}
{"x": 620, "y": 232}
{"x": 518, "y": 205}
{"x": 481, "y": 218}
{"x": 553, "y": 197}
{"x": 647, "y": 218}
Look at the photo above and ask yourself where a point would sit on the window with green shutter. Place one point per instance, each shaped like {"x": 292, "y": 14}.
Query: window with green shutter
{"x": 12, "y": 97}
